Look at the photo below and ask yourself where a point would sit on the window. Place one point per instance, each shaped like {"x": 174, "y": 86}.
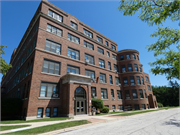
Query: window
{"x": 147, "y": 79}
{"x": 117, "y": 81}
{"x": 108, "y": 54}
{"x": 140, "y": 68}
{"x": 137, "y": 57}
{"x": 54, "y": 30}
{"x": 138, "y": 80}
{"x": 121, "y": 57}
{"x": 143, "y": 106}
{"x": 99, "y": 39}
{"x": 87, "y": 33}
{"x": 72, "y": 53}
{"x": 119, "y": 94}
{"x": 112, "y": 94}
{"x": 40, "y": 113}
{"x": 134, "y": 93}
{"x": 88, "y": 45}
{"x": 123, "y": 68}
{"x": 51, "y": 67}
{"x": 48, "y": 89}
{"x": 109, "y": 65}
{"x": 142, "y": 80}
{"x": 120, "y": 107}
{"x": 114, "y": 57}
{"x": 53, "y": 47}
{"x": 127, "y": 94}
{"x": 107, "y": 43}
{"x": 141, "y": 93}
{"x": 136, "y": 107}
{"x": 89, "y": 59}
{"x": 145, "y": 94}
{"x": 135, "y": 67}
{"x": 48, "y": 110}
{"x": 55, "y": 16}
{"x": 104, "y": 93}
{"x": 55, "y": 112}
{"x": 127, "y": 56}
{"x": 134, "y": 57}
{"x": 100, "y": 50}
{"x": 113, "y": 107}
{"x": 149, "y": 88}
{"x": 101, "y": 63}
{"x": 72, "y": 69}
{"x": 90, "y": 73}
{"x": 125, "y": 81}
{"x": 73, "y": 38}
{"x": 110, "y": 79}
{"x": 115, "y": 68}
{"x": 93, "y": 92}
{"x": 102, "y": 78}
{"x": 132, "y": 80}
{"x": 147, "y": 106}
{"x": 113, "y": 47}
{"x": 74, "y": 25}
{"x": 130, "y": 67}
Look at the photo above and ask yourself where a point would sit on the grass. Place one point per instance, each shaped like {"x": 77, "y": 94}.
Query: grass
{"x": 49, "y": 128}
{"x": 13, "y": 127}
{"x": 37, "y": 120}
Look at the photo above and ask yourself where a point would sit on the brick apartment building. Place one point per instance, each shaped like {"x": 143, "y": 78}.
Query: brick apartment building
{"x": 61, "y": 63}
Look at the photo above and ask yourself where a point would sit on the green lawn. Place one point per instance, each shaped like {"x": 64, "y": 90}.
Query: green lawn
{"x": 13, "y": 127}
{"x": 37, "y": 120}
{"x": 49, "y": 128}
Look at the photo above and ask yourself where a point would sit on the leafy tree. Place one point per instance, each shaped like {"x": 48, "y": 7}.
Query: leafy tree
{"x": 97, "y": 103}
{"x": 155, "y": 12}
{"x": 4, "y": 66}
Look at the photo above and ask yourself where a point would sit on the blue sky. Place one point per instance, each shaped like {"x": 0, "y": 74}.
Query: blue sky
{"x": 129, "y": 32}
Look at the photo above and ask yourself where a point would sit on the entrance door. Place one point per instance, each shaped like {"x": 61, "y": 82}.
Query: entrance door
{"x": 80, "y": 107}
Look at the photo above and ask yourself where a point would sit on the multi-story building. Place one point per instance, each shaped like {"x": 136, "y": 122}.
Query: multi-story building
{"x": 61, "y": 64}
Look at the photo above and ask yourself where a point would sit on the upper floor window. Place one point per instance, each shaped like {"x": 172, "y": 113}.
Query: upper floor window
{"x": 55, "y": 16}
{"x": 132, "y": 80}
{"x": 102, "y": 78}
{"x": 100, "y": 50}
{"x": 101, "y": 63}
{"x": 140, "y": 68}
{"x": 149, "y": 88}
{"x": 115, "y": 68}
{"x": 93, "y": 92}
{"x": 113, "y": 47}
{"x": 121, "y": 57}
{"x": 134, "y": 93}
{"x": 110, "y": 79}
{"x": 88, "y": 45}
{"x": 138, "y": 80}
{"x": 90, "y": 73}
{"x": 54, "y": 30}
{"x": 137, "y": 57}
{"x": 127, "y": 56}
{"x": 53, "y": 47}
{"x": 108, "y": 54}
{"x": 117, "y": 81}
{"x": 48, "y": 89}
{"x": 73, "y": 38}
{"x": 72, "y": 69}
{"x": 74, "y": 25}
{"x": 130, "y": 67}
{"x": 51, "y": 67}
{"x": 123, "y": 68}
{"x": 114, "y": 57}
{"x": 104, "y": 94}
{"x": 141, "y": 93}
{"x": 72, "y": 53}
{"x": 147, "y": 79}
{"x": 142, "y": 80}
{"x": 112, "y": 93}
{"x": 89, "y": 59}
{"x": 134, "y": 56}
{"x": 119, "y": 94}
{"x": 107, "y": 43}
{"x": 135, "y": 67}
{"x": 99, "y": 39}
{"x": 127, "y": 94}
{"x": 109, "y": 65}
{"x": 145, "y": 93}
{"x": 125, "y": 81}
{"x": 87, "y": 33}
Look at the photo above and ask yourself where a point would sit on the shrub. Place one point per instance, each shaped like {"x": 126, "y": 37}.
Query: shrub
{"x": 97, "y": 103}
{"x": 160, "y": 105}
{"x": 105, "y": 110}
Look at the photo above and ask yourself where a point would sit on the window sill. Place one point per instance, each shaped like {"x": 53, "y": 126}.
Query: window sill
{"x": 47, "y": 98}
{"x": 49, "y": 74}
{"x": 133, "y": 85}
{"x": 103, "y": 83}
{"x": 104, "y": 99}
{"x": 141, "y": 98}
{"x": 135, "y": 98}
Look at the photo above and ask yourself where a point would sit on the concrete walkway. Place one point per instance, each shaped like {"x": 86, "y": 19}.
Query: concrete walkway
{"x": 93, "y": 119}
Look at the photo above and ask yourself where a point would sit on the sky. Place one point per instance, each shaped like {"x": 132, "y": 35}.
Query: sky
{"x": 129, "y": 32}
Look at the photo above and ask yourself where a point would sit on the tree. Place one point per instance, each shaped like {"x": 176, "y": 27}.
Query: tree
{"x": 97, "y": 103}
{"x": 4, "y": 66}
{"x": 155, "y": 12}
